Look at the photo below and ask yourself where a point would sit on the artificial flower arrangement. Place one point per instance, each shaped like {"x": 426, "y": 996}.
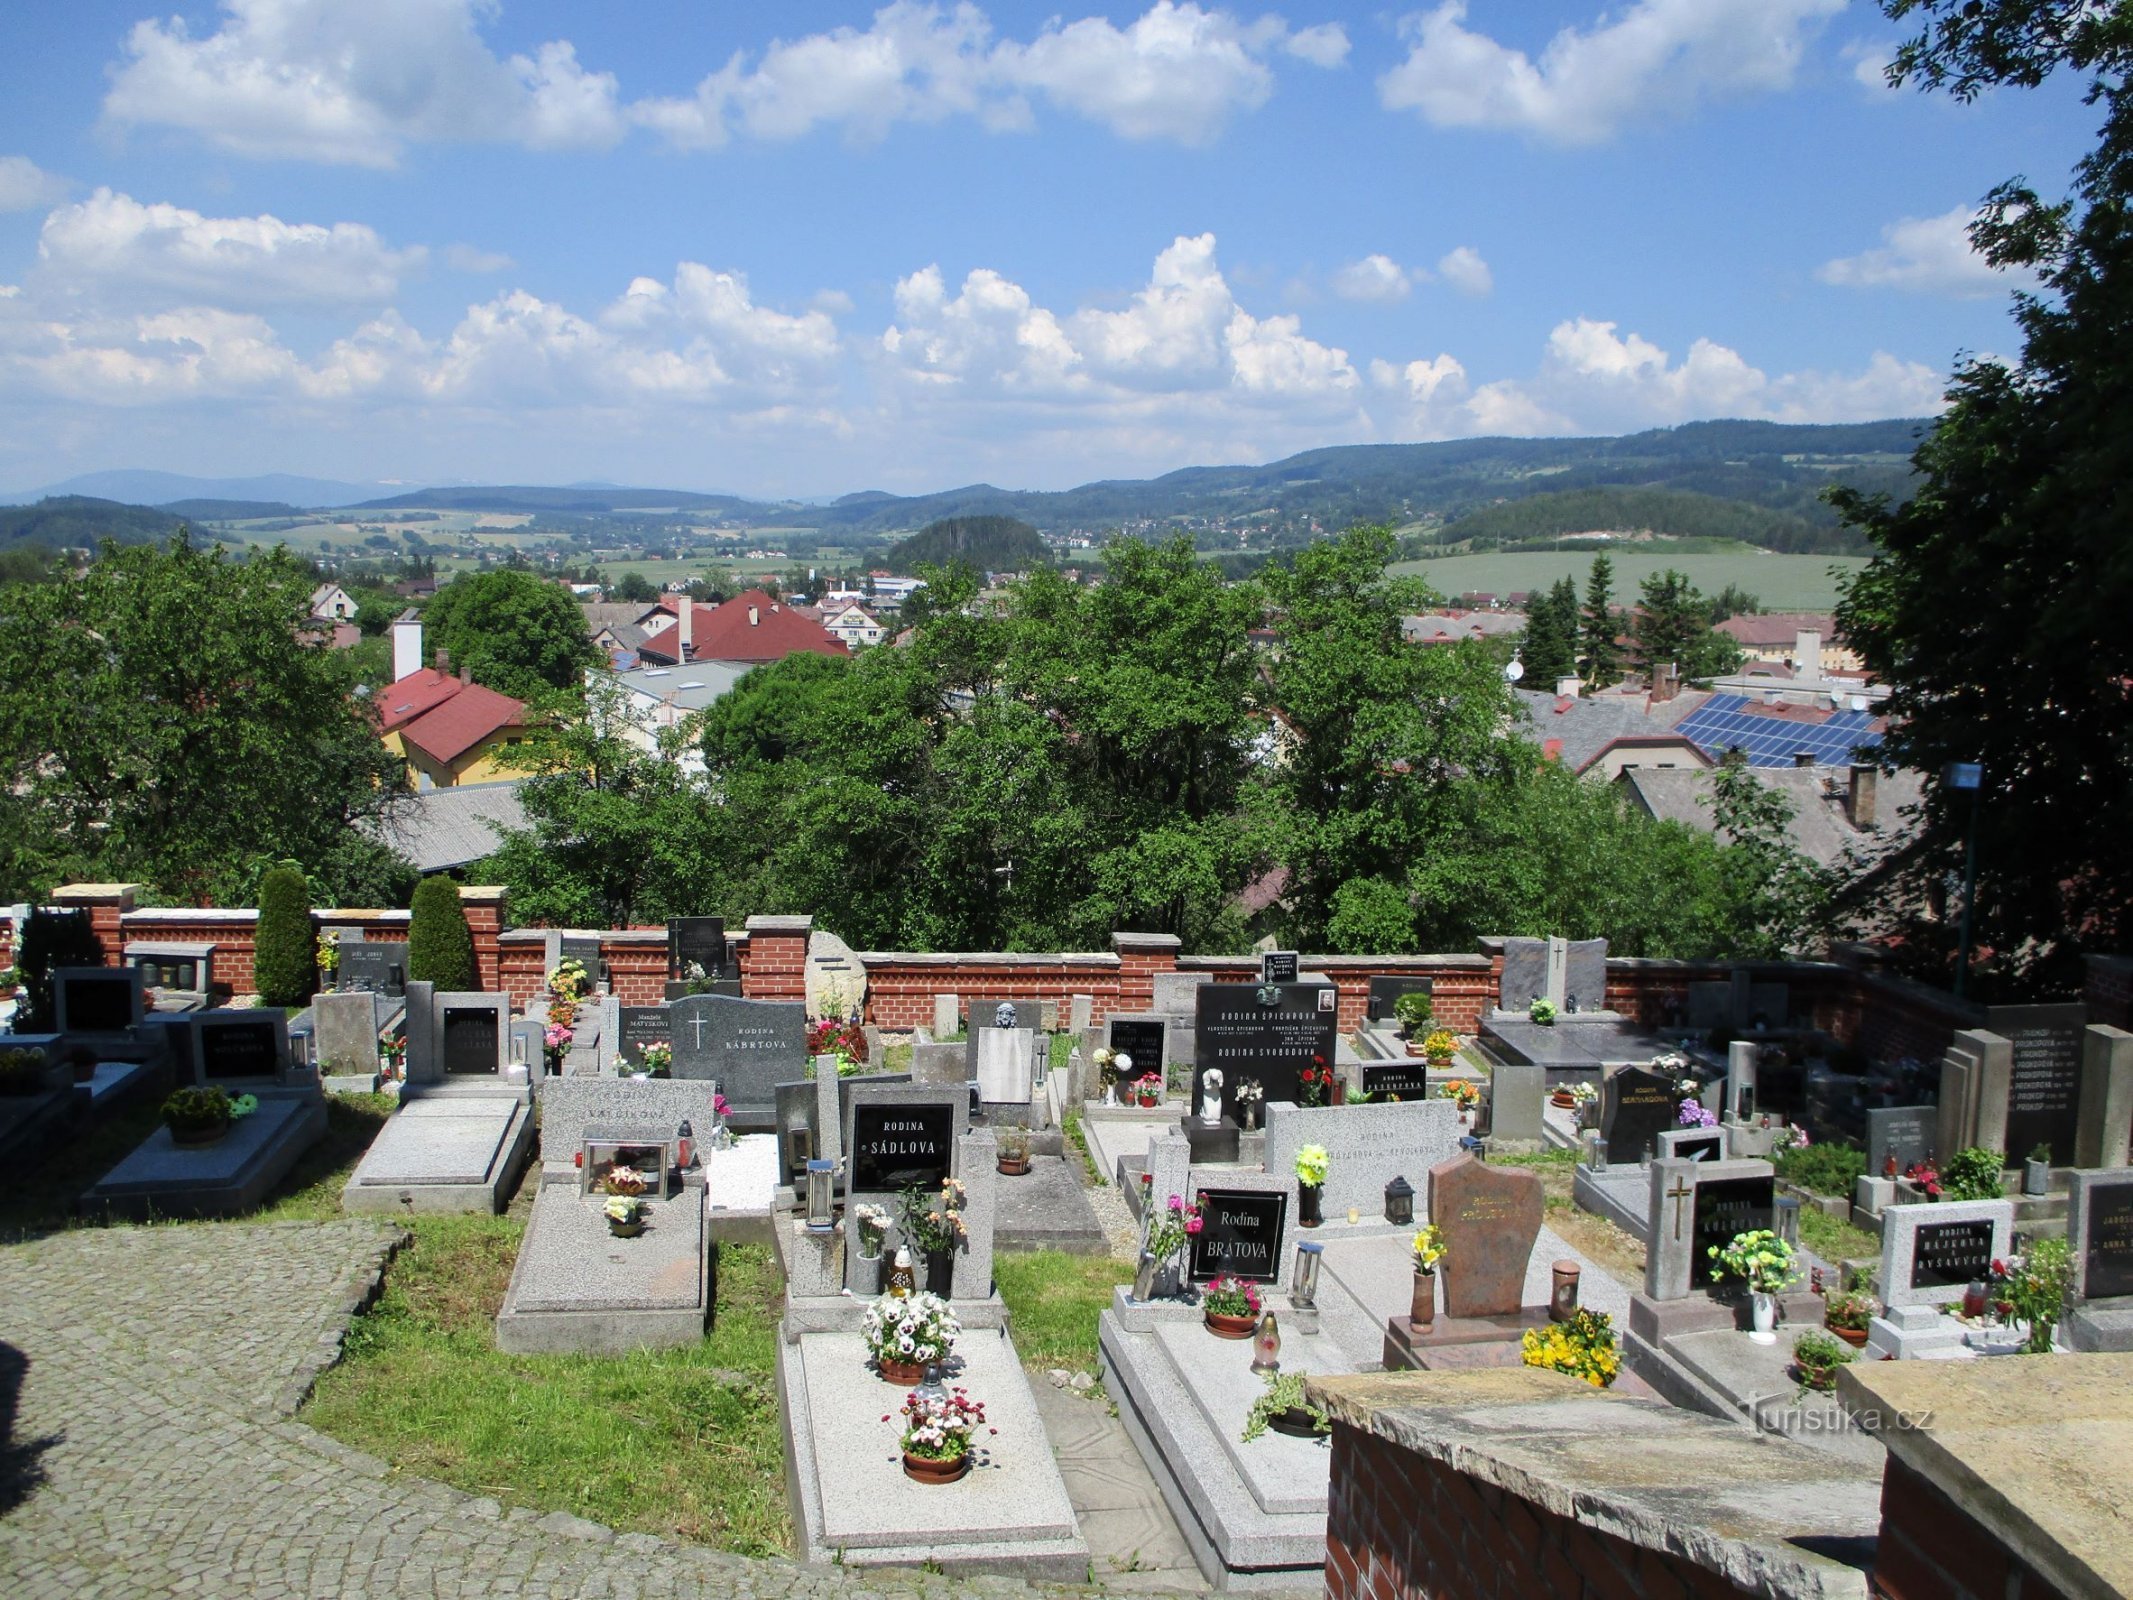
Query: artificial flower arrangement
{"x": 1467, "y": 1095}
{"x": 1230, "y": 1296}
{"x": 873, "y": 1225}
{"x": 1314, "y": 1084}
{"x": 1759, "y": 1258}
{"x": 1695, "y": 1114}
{"x": 1250, "y": 1091}
{"x": 915, "y": 1330}
{"x": 392, "y": 1059}
{"x": 1429, "y": 1247}
{"x": 831, "y": 1037}
{"x": 1169, "y": 1228}
{"x": 555, "y": 1040}
{"x": 569, "y": 979}
{"x": 625, "y": 1181}
{"x": 1793, "y": 1138}
{"x": 939, "y": 1427}
{"x": 934, "y": 1223}
{"x": 1583, "y": 1347}
{"x": 657, "y": 1058}
{"x": 328, "y": 953}
{"x": 1926, "y": 1176}
{"x": 1585, "y": 1094}
{"x": 1441, "y": 1045}
{"x": 1106, "y": 1060}
{"x": 1543, "y": 1012}
{"x": 624, "y": 1209}
{"x": 1312, "y": 1165}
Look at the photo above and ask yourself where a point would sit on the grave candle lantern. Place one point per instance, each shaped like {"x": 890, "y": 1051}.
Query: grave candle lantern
{"x": 1400, "y": 1202}
{"x": 1266, "y": 1345}
{"x": 1563, "y": 1293}
{"x": 821, "y": 1180}
{"x": 1303, "y": 1291}
{"x": 1596, "y": 1153}
{"x": 1786, "y": 1223}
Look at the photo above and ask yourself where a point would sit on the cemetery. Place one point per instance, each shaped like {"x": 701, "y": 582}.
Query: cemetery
{"x": 1313, "y": 1207}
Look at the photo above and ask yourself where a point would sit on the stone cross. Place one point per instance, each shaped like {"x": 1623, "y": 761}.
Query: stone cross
{"x": 1677, "y": 1194}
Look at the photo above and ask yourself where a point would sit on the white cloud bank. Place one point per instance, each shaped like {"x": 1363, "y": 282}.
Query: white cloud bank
{"x": 359, "y": 81}
{"x": 1926, "y": 255}
{"x": 1377, "y": 279}
{"x": 1658, "y": 58}
{"x": 24, "y": 186}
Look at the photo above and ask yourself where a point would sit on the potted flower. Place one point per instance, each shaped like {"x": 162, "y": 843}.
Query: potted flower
{"x": 392, "y": 1059}
{"x": 1250, "y": 1092}
{"x": 625, "y": 1181}
{"x": 1542, "y": 1012}
{"x": 1014, "y": 1151}
{"x": 1229, "y": 1307}
{"x": 1766, "y": 1265}
{"x": 1583, "y": 1347}
{"x": 1924, "y": 1177}
{"x": 1816, "y": 1358}
{"x": 873, "y": 1226}
{"x": 1149, "y": 1089}
{"x": 938, "y": 1428}
{"x": 195, "y": 1116}
{"x": 1585, "y": 1099}
{"x": 1155, "y": 1275}
{"x": 1562, "y": 1097}
{"x": 1466, "y": 1096}
{"x": 626, "y": 1215}
{"x": 2037, "y": 1171}
{"x": 327, "y": 955}
{"x": 934, "y": 1228}
{"x": 1973, "y": 1174}
{"x": 657, "y": 1058}
{"x": 2034, "y": 1290}
{"x": 22, "y": 1072}
{"x": 1429, "y": 1251}
{"x": 1284, "y": 1409}
{"x": 1440, "y": 1047}
{"x": 1414, "y": 1012}
{"x": 1847, "y": 1313}
{"x": 1695, "y": 1114}
{"x": 906, "y": 1334}
{"x": 1312, "y": 1164}
{"x": 1106, "y": 1060}
{"x": 555, "y": 1044}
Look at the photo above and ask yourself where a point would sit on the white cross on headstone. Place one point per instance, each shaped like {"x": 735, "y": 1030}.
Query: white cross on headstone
{"x": 699, "y": 1021}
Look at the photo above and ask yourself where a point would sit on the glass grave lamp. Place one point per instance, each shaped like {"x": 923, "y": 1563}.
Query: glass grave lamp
{"x": 1596, "y": 1153}
{"x": 1303, "y": 1290}
{"x": 821, "y": 1196}
{"x": 1400, "y": 1202}
{"x": 1266, "y": 1344}
{"x": 1785, "y": 1222}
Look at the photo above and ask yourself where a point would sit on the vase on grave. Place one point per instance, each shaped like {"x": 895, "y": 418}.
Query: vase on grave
{"x": 1308, "y": 1196}
{"x": 1765, "y": 1312}
{"x": 940, "y": 1272}
{"x": 1144, "y": 1277}
{"x": 2036, "y": 1177}
{"x": 925, "y": 1469}
{"x": 1422, "y": 1304}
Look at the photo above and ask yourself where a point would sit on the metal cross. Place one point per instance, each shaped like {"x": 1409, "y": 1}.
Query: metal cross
{"x": 1677, "y": 1194}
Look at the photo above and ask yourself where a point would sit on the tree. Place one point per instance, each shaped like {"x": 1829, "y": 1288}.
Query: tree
{"x": 1732, "y": 601}
{"x": 1780, "y": 897}
{"x": 285, "y": 946}
{"x": 1672, "y": 625}
{"x": 160, "y": 725}
{"x": 440, "y": 945}
{"x": 634, "y": 588}
{"x": 516, "y": 633}
{"x": 1603, "y": 656}
{"x": 1994, "y": 605}
{"x": 50, "y": 940}
{"x": 1550, "y": 648}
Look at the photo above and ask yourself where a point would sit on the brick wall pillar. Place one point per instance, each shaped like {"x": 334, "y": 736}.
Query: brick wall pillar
{"x": 1931, "y": 1549}
{"x": 1140, "y": 957}
{"x": 106, "y": 904}
{"x": 2109, "y": 990}
{"x": 774, "y": 960}
{"x": 485, "y": 908}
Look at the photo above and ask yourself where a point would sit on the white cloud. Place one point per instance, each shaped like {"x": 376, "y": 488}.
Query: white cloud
{"x": 467, "y": 258}
{"x": 113, "y": 244}
{"x": 1658, "y": 57}
{"x": 1465, "y": 271}
{"x": 1376, "y": 279}
{"x": 1925, "y": 255}
{"x": 25, "y": 187}
{"x": 1870, "y": 60}
{"x": 327, "y": 80}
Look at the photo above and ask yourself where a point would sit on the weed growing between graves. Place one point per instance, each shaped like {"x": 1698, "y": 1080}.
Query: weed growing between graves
{"x": 681, "y": 1443}
{"x": 1595, "y": 1238}
{"x": 1836, "y": 1241}
{"x": 1055, "y": 1299}
{"x": 1070, "y": 1125}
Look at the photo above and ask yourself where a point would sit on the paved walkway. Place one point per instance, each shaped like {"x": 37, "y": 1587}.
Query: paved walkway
{"x": 147, "y": 1381}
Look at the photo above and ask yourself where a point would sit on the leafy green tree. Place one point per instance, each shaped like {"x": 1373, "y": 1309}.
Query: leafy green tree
{"x": 1780, "y": 897}
{"x": 634, "y": 588}
{"x": 516, "y": 633}
{"x": 1672, "y": 624}
{"x": 285, "y": 946}
{"x": 1732, "y": 601}
{"x": 1994, "y": 606}
{"x": 440, "y": 944}
{"x": 1599, "y": 626}
{"x": 50, "y": 939}
{"x": 160, "y": 725}
{"x": 1550, "y": 648}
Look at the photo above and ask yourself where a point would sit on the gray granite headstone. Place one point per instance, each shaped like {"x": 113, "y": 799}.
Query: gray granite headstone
{"x": 938, "y": 1064}
{"x": 1905, "y": 1132}
{"x": 1516, "y": 1095}
{"x": 995, "y": 1012}
{"x": 237, "y": 1049}
{"x": 569, "y": 1106}
{"x": 1005, "y": 1072}
{"x": 796, "y": 1138}
{"x": 1585, "y": 975}
{"x": 1929, "y": 1253}
{"x": 1694, "y": 1205}
{"x": 947, "y": 1016}
{"x": 1525, "y": 973}
{"x": 472, "y": 1033}
{"x": 1080, "y": 1008}
{"x": 1367, "y": 1146}
{"x": 346, "y": 1028}
{"x": 748, "y": 1046}
{"x": 636, "y": 1027}
{"x": 420, "y": 1031}
{"x": 378, "y": 966}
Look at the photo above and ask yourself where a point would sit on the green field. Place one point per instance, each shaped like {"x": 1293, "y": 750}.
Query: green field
{"x": 1781, "y": 583}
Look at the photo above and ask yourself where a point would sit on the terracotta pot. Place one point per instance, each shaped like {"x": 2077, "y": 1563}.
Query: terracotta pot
{"x": 904, "y": 1374}
{"x": 1819, "y": 1379}
{"x": 194, "y": 1138}
{"x": 1855, "y": 1337}
{"x": 924, "y": 1469}
{"x": 1229, "y": 1327}
{"x": 1013, "y": 1166}
{"x": 1414, "y": 1049}
{"x": 1149, "y": 1100}
{"x": 625, "y": 1230}
{"x": 1562, "y": 1101}
{"x": 1297, "y": 1422}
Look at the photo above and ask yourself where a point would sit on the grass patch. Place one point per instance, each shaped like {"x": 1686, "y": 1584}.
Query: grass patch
{"x": 1063, "y": 1045}
{"x": 896, "y": 1058}
{"x": 1055, "y": 1299}
{"x": 1595, "y": 1238}
{"x": 312, "y": 1190}
{"x": 1070, "y": 1126}
{"x": 1836, "y": 1241}
{"x": 681, "y": 1443}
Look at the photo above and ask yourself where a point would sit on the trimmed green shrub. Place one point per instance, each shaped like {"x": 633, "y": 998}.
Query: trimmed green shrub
{"x": 51, "y": 940}
{"x": 440, "y": 945}
{"x": 1973, "y": 1174}
{"x": 1829, "y": 1168}
{"x": 284, "y": 950}
{"x": 196, "y": 1110}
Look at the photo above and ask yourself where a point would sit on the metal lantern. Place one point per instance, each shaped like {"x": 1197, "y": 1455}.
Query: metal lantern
{"x": 1400, "y": 1202}
{"x": 1303, "y": 1291}
{"x": 1786, "y": 1223}
{"x": 1596, "y": 1153}
{"x": 821, "y": 1196}
{"x": 1266, "y": 1345}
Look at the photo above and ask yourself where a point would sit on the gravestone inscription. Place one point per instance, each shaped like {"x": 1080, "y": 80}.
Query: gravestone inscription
{"x": 241, "y": 1046}
{"x": 1399, "y": 1080}
{"x": 2044, "y": 1077}
{"x": 101, "y": 1000}
{"x": 696, "y": 946}
{"x": 638, "y": 1026}
{"x": 1636, "y": 1106}
{"x": 584, "y": 951}
{"x": 1278, "y": 966}
{"x": 378, "y": 967}
{"x": 1266, "y": 1031}
{"x": 1905, "y": 1132}
{"x": 1240, "y": 1234}
{"x": 1950, "y": 1254}
{"x": 1141, "y": 1039}
{"x": 898, "y": 1147}
{"x": 1724, "y": 1207}
{"x": 2106, "y": 1244}
{"x": 1385, "y": 994}
{"x": 748, "y": 1046}
{"x": 1490, "y": 1217}
{"x": 471, "y": 1043}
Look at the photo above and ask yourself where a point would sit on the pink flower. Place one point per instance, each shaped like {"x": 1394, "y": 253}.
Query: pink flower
{"x": 1192, "y": 1224}
{"x": 1177, "y": 1203}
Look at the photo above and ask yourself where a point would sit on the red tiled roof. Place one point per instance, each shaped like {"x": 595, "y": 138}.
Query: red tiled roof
{"x": 424, "y": 690}
{"x": 452, "y": 729}
{"x": 749, "y": 627}
{"x": 1777, "y": 630}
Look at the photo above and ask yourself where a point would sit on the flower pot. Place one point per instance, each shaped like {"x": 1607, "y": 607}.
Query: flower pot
{"x": 925, "y": 1469}
{"x": 1248, "y": 1115}
{"x": 1297, "y": 1422}
{"x": 2036, "y": 1177}
{"x": 1307, "y": 1198}
{"x": 1765, "y": 1313}
{"x": 194, "y": 1138}
{"x": 1415, "y": 1049}
{"x": 1013, "y": 1166}
{"x": 1422, "y": 1304}
{"x": 1229, "y": 1327}
{"x": 1147, "y": 1100}
{"x": 940, "y": 1273}
{"x": 626, "y": 1230}
{"x": 904, "y": 1374}
{"x": 1819, "y": 1378}
{"x": 85, "y": 1070}
{"x": 1855, "y": 1337}
{"x": 1563, "y": 1101}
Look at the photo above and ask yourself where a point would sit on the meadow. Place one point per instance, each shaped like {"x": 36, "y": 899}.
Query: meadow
{"x": 1781, "y": 583}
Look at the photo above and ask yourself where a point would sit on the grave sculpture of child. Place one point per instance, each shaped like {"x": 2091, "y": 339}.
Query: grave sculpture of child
{"x": 1211, "y": 1096}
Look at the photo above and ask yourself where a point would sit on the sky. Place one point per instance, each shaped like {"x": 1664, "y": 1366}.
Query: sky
{"x": 811, "y": 249}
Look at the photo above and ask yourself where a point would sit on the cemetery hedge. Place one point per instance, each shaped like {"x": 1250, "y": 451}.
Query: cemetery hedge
{"x": 440, "y": 945}
{"x": 285, "y": 955}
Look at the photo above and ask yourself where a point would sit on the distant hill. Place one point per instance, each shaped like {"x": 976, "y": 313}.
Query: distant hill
{"x": 230, "y": 510}
{"x": 589, "y": 501}
{"x": 991, "y": 544}
{"x": 75, "y": 519}
{"x": 145, "y": 488}
{"x": 1675, "y": 512}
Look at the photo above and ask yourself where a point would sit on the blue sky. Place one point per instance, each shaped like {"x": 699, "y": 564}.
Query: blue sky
{"x": 815, "y": 248}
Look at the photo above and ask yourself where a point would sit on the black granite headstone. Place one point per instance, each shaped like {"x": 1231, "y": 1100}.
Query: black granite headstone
{"x": 2108, "y": 1242}
{"x": 1398, "y": 1080}
{"x": 1724, "y": 1207}
{"x": 586, "y": 952}
{"x": 375, "y": 966}
{"x": 682, "y": 988}
{"x": 698, "y": 942}
{"x": 2044, "y": 1080}
{"x": 901, "y": 1147}
{"x": 1385, "y": 994}
{"x": 1950, "y": 1254}
{"x": 1636, "y": 1106}
{"x": 1143, "y": 1041}
{"x": 471, "y": 1044}
{"x": 1267, "y": 1031}
{"x": 1240, "y": 1234}
{"x": 1278, "y": 966}
{"x": 1905, "y": 1132}
{"x": 638, "y": 1026}
{"x": 1708, "y": 1147}
{"x": 99, "y": 1004}
{"x": 246, "y": 1049}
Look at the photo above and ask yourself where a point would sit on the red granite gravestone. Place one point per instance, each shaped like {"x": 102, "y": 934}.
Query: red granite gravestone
{"x": 1490, "y": 1217}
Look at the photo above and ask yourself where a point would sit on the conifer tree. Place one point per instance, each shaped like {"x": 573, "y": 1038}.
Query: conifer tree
{"x": 440, "y": 945}
{"x": 1603, "y": 656}
{"x": 285, "y": 947}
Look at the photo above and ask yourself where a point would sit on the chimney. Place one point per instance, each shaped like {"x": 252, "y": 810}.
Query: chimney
{"x": 442, "y": 662}
{"x": 407, "y": 644}
{"x": 1807, "y": 654}
{"x": 1666, "y": 681}
{"x": 755, "y": 616}
{"x": 688, "y": 628}
{"x": 1803, "y": 758}
{"x": 1865, "y": 791}
{"x": 1569, "y": 687}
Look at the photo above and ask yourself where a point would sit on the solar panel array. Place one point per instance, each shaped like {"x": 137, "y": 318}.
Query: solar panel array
{"x": 1723, "y": 722}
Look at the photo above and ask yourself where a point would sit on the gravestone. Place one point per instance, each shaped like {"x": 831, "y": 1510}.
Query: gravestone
{"x": 1366, "y": 1146}
{"x": 1005, "y": 1065}
{"x": 1240, "y": 1235}
{"x": 1525, "y": 974}
{"x": 638, "y": 1026}
{"x": 1397, "y": 1080}
{"x": 346, "y": 1026}
{"x": 835, "y": 980}
{"x": 947, "y": 1016}
{"x": 1385, "y": 995}
{"x": 747, "y": 1046}
{"x": 96, "y": 999}
{"x": 1694, "y": 1205}
{"x": 1517, "y": 1093}
{"x": 796, "y": 1118}
{"x": 1744, "y": 1067}
{"x": 901, "y": 1144}
{"x": 1175, "y": 994}
{"x": 1267, "y": 1031}
{"x": 2044, "y": 1077}
{"x": 1585, "y": 975}
{"x": 419, "y": 1028}
{"x": 1141, "y": 1037}
{"x": 585, "y": 950}
{"x": 1081, "y": 1009}
{"x": 1490, "y": 1217}
{"x": 1278, "y": 966}
{"x": 232, "y": 1046}
{"x": 470, "y": 1036}
{"x": 995, "y": 1013}
{"x": 1637, "y": 1104}
{"x": 2100, "y": 1229}
{"x": 1906, "y": 1132}
{"x": 696, "y": 947}
{"x": 374, "y": 966}
{"x": 1929, "y": 1253}
{"x": 1692, "y": 1144}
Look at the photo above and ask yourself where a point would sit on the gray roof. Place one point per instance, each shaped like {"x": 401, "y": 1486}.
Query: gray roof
{"x": 614, "y": 613}
{"x": 440, "y": 829}
{"x": 693, "y": 686}
{"x": 1588, "y": 726}
{"x": 1436, "y": 628}
{"x": 1820, "y": 830}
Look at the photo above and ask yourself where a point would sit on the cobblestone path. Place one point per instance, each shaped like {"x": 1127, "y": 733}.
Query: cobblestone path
{"x": 152, "y": 1374}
